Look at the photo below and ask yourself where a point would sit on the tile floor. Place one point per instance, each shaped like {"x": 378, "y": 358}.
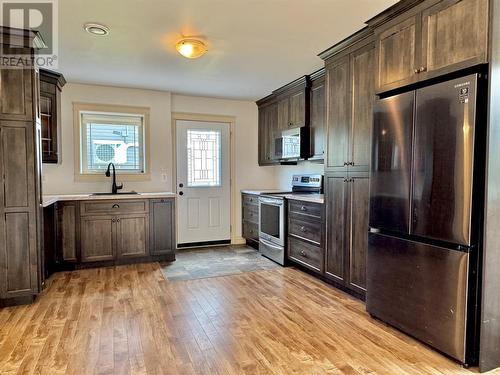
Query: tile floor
{"x": 215, "y": 261}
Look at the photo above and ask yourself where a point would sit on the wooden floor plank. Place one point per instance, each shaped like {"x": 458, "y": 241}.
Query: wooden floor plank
{"x": 130, "y": 320}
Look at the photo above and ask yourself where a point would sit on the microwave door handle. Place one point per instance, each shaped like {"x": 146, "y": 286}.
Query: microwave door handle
{"x": 270, "y": 244}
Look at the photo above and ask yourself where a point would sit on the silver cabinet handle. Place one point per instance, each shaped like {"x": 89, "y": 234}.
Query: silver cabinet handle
{"x": 303, "y": 253}
{"x": 115, "y": 206}
{"x": 302, "y": 229}
{"x": 303, "y": 208}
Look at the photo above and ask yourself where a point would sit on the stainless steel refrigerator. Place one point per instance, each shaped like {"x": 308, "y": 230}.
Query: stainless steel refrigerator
{"x": 426, "y": 203}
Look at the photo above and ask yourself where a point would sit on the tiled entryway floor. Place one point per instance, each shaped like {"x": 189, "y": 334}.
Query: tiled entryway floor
{"x": 215, "y": 261}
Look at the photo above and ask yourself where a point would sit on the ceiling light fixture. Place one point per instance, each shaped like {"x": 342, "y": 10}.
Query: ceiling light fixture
{"x": 96, "y": 29}
{"x": 191, "y": 48}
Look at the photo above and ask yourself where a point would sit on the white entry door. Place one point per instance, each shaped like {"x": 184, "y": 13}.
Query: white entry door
{"x": 203, "y": 182}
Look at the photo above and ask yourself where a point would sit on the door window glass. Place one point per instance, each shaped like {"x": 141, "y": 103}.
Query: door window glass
{"x": 204, "y": 158}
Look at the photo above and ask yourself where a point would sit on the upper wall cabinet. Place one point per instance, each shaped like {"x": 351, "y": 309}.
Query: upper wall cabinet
{"x": 268, "y": 128}
{"x": 51, "y": 84}
{"x": 418, "y": 40}
{"x": 317, "y": 118}
{"x": 288, "y": 107}
{"x": 293, "y": 104}
{"x": 350, "y": 96}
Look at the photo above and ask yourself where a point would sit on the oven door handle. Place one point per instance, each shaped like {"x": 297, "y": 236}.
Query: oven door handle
{"x": 270, "y": 244}
{"x": 274, "y": 202}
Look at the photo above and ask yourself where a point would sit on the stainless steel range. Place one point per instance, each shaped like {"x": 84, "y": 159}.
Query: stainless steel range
{"x": 272, "y": 216}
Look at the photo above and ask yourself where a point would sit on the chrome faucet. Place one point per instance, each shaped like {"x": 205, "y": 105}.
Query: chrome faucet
{"x": 115, "y": 187}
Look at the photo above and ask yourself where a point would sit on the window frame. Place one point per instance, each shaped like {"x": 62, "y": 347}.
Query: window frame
{"x": 105, "y": 109}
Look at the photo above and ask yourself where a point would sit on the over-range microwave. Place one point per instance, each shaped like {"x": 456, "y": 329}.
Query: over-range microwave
{"x": 293, "y": 144}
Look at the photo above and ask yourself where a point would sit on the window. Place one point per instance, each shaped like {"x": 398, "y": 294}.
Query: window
{"x": 112, "y": 135}
{"x": 203, "y": 158}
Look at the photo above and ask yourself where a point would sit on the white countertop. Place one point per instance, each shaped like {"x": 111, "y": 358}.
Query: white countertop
{"x": 259, "y": 192}
{"x": 314, "y": 198}
{"x": 51, "y": 199}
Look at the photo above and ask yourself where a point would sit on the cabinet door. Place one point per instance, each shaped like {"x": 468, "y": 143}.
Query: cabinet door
{"x": 454, "y": 36}
{"x": 363, "y": 95}
{"x": 97, "y": 238}
{"x": 16, "y": 102}
{"x": 48, "y": 109}
{"x": 318, "y": 118}
{"x": 397, "y": 59}
{"x": 132, "y": 232}
{"x": 161, "y": 226}
{"x": 358, "y": 203}
{"x": 67, "y": 231}
{"x": 297, "y": 109}
{"x": 339, "y": 113}
{"x": 263, "y": 136}
{"x": 273, "y": 154}
{"x": 337, "y": 226}
{"x": 19, "y": 251}
{"x": 284, "y": 113}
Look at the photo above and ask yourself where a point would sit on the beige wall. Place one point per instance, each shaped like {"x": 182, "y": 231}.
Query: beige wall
{"x": 59, "y": 179}
{"x": 248, "y": 175}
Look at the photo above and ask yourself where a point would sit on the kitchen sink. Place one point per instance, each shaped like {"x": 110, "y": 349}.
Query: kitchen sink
{"x": 120, "y": 193}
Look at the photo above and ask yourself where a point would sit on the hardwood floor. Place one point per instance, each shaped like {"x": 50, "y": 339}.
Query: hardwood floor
{"x": 130, "y": 320}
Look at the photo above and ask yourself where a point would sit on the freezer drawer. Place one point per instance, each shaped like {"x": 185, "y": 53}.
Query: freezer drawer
{"x": 391, "y": 163}
{"x": 420, "y": 289}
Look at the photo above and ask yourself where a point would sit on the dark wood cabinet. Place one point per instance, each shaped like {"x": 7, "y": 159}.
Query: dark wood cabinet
{"x": 336, "y": 194}
{"x": 162, "y": 227}
{"x": 131, "y": 235}
{"x": 317, "y": 105}
{"x": 306, "y": 234}
{"x": 250, "y": 219}
{"x": 97, "y": 238}
{"x": 347, "y": 229}
{"x": 67, "y": 231}
{"x": 358, "y": 232}
{"x": 21, "y": 227}
{"x": 268, "y": 130}
{"x": 97, "y": 232}
{"x": 51, "y": 84}
{"x": 293, "y": 104}
{"x": 350, "y": 86}
{"x": 397, "y": 55}
{"x": 362, "y": 62}
{"x": 287, "y": 107}
{"x": 338, "y": 123}
{"x": 416, "y": 40}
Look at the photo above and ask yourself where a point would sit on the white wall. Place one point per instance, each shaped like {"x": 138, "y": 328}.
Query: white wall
{"x": 60, "y": 179}
{"x": 284, "y": 173}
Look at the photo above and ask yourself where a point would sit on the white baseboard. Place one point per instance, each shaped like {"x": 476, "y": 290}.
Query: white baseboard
{"x": 238, "y": 241}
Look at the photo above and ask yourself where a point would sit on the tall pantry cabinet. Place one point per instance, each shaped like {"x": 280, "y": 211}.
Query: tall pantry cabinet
{"x": 20, "y": 171}
{"x": 350, "y": 97}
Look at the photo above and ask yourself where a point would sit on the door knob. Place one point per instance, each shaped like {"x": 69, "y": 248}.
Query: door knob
{"x": 181, "y": 193}
{"x": 181, "y": 185}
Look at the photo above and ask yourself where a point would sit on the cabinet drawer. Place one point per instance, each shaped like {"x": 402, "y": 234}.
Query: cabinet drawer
{"x": 250, "y": 231}
{"x": 305, "y": 253}
{"x": 306, "y": 208}
{"x": 309, "y": 229}
{"x": 251, "y": 214}
{"x": 113, "y": 207}
{"x": 249, "y": 199}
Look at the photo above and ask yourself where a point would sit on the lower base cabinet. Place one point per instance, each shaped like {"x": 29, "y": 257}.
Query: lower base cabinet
{"x": 112, "y": 231}
{"x": 347, "y": 199}
{"x": 306, "y": 234}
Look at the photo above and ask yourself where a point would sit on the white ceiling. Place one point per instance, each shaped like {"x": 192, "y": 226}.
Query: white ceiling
{"x": 255, "y": 46}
